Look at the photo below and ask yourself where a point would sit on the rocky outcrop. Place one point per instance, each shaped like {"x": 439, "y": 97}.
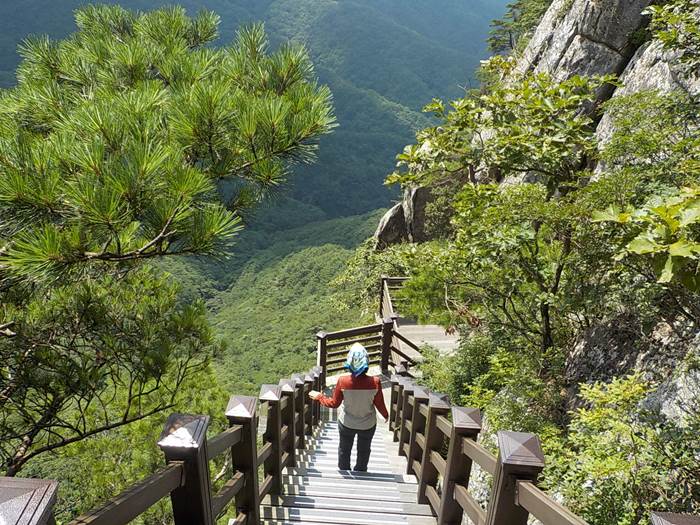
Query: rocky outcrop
{"x": 575, "y": 37}
{"x": 585, "y": 37}
{"x": 392, "y": 228}
{"x": 651, "y": 69}
{"x": 415, "y": 201}
{"x": 406, "y": 220}
{"x": 621, "y": 347}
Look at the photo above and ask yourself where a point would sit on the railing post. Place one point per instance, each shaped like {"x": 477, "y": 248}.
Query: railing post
{"x": 392, "y": 400}
{"x": 669, "y": 518}
{"x": 382, "y": 280}
{"x": 387, "y": 335}
{"x": 184, "y": 438}
{"x": 322, "y": 355}
{"x": 242, "y": 410}
{"x": 413, "y": 457}
{"x": 402, "y": 369}
{"x": 36, "y": 498}
{"x": 434, "y": 439}
{"x": 519, "y": 458}
{"x": 466, "y": 423}
{"x": 308, "y": 406}
{"x": 406, "y": 415}
{"x": 317, "y": 386}
{"x": 401, "y": 382}
{"x": 299, "y": 414}
{"x": 272, "y": 394}
{"x": 289, "y": 392}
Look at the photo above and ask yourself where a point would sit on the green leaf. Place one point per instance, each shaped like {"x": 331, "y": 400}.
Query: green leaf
{"x": 667, "y": 272}
{"x": 690, "y": 215}
{"x": 643, "y": 244}
{"x": 684, "y": 248}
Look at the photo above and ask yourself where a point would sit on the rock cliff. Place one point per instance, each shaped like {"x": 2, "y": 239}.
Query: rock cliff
{"x": 579, "y": 37}
{"x": 593, "y": 37}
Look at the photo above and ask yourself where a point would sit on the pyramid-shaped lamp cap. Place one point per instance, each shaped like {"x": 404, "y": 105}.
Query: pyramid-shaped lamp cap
{"x": 520, "y": 449}
{"x": 184, "y": 431}
{"x": 270, "y": 393}
{"x": 242, "y": 407}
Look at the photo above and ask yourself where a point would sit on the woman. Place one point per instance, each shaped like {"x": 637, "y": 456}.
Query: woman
{"x": 357, "y": 395}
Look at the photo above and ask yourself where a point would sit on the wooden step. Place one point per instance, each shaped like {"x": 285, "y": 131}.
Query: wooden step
{"x": 338, "y": 483}
{"x": 341, "y": 474}
{"x": 352, "y": 492}
{"x": 324, "y": 516}
{"x": 333, "y": 467}
{"x": 342, "y": 504}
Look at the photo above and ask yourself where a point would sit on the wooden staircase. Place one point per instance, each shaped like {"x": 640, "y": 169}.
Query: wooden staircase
{"x": 316, "y": 492}
{"x": 281, "y": 455}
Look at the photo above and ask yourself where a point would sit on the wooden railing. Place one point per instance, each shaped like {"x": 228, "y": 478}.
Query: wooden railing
{"x": 438, "y": 440}
{"x": 291, "y": 420}
{"x": 382, "y": 340}
{"x": 388, "y": 312}
{"x": 379, "y": 339}
{"x": 440, "y": 444}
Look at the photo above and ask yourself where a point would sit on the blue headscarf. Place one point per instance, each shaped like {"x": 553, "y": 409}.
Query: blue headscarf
{"x": 358, "y": 360}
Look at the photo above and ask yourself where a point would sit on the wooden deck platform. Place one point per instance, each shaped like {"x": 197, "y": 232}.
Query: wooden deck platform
{"x": 316, "y": 492}
{"x": 428, "y": 334}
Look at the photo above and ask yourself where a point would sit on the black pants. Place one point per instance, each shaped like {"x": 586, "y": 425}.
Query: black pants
{"x": 364, "y": 447}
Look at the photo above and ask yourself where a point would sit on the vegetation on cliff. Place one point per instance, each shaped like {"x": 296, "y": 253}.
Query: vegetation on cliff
{"x": 536, "y": 249}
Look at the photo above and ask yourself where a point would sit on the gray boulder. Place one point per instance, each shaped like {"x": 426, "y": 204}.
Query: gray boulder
{"x": 392, "y": 228}
{"x": 414, "y": 205}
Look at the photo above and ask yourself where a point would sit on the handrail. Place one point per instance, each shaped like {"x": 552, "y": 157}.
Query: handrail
{"x": 351, "y": 332}
{"x": 137, "y": 499}
{"x": 406, "y": 340}
{"x": 424, "y": 423}
{"x": 480, "y": 455}
{"x": 290, "y": 420}
{"x": 227, "y": 493}
{"x": 542, "y": 507}
{"x": 219, "y": 444}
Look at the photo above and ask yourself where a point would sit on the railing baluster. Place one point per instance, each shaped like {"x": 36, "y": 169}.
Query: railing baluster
{"x": 242, "y": 410}
{"x": 392, "y": 400}
{"x": 420, "y": 397}
{"x": 466, "y": 423}
{"x": 288, "y": 445}
{"x": 300, "y": 401}
{"x": 434, "y": 439}
{"x": 309, "y": 406}
{"x": 399, "y": 406}
{"x": 387, "y": 335}
{"x": 317, "y": 386}
{"x": 272, "y": 466}
{"x": 322, "y": 355}
{"x": 519, "y": 458}
{"x": 184, "y": 438}
{"x": 406, "y": 414}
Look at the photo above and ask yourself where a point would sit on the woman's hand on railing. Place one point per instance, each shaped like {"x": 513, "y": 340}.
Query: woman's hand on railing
{"x": 315, "y": 394}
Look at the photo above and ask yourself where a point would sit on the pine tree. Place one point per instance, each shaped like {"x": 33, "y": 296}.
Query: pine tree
{"x": 115, "y": 147}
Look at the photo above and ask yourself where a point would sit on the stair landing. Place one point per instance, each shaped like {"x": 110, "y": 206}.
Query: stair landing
{"x": 316, "y": 492}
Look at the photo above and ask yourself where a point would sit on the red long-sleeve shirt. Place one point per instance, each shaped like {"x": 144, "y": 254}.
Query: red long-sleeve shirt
{"x": 359, "y": 396}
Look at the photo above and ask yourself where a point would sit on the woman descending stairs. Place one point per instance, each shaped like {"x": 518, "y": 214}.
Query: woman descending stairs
{"x": 316, "y": 492}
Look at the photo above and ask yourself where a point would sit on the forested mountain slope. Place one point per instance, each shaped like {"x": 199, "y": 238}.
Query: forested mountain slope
{"x": 382, "y": 60}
